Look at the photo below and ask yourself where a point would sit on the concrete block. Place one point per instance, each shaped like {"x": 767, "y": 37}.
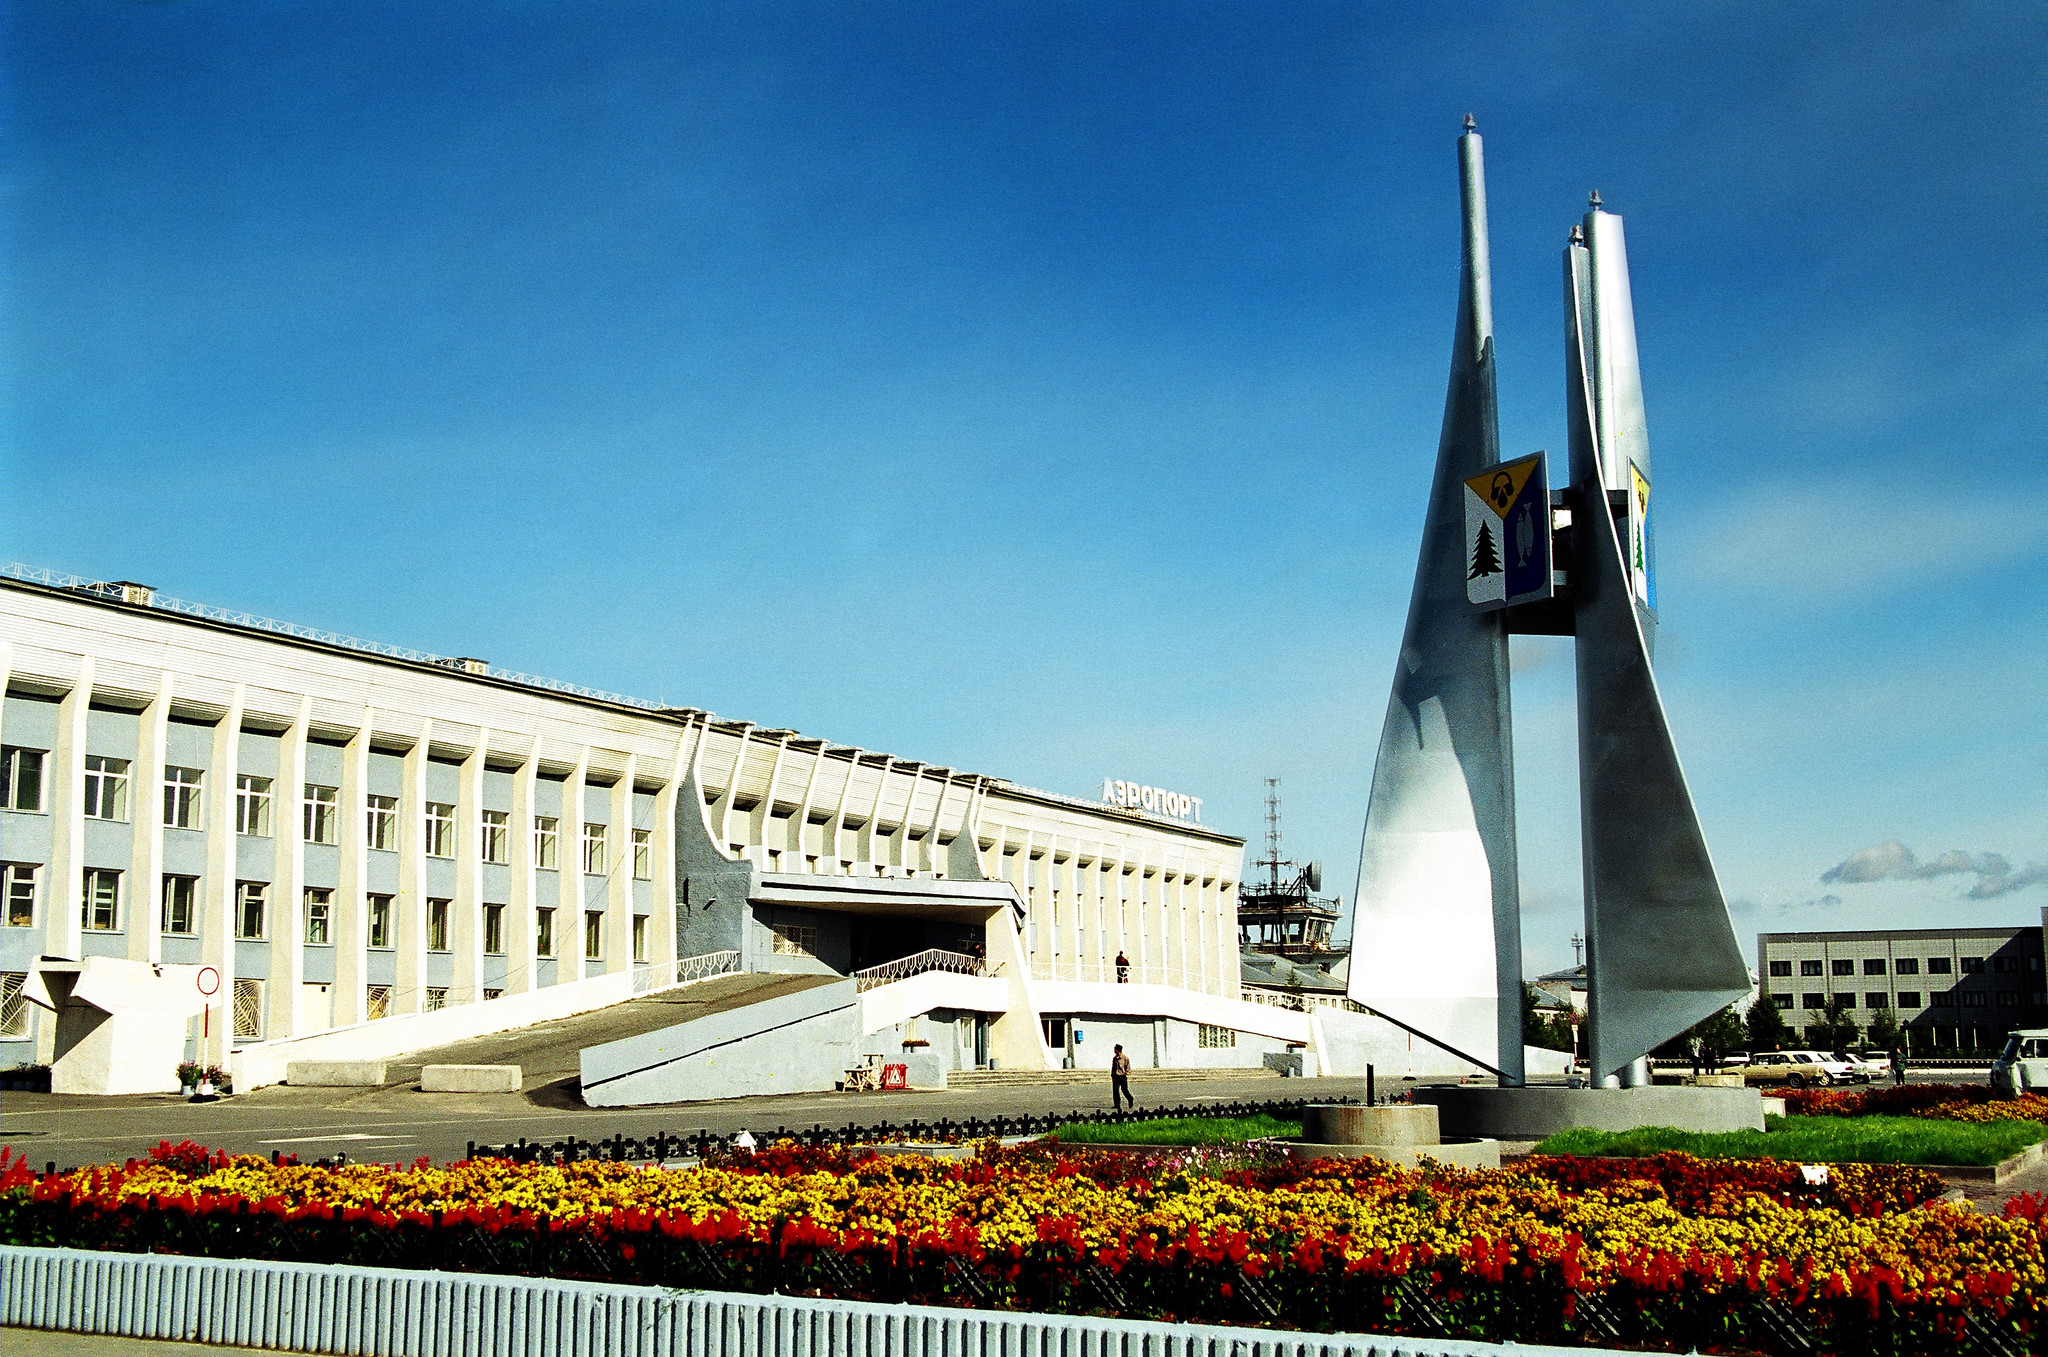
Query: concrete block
{"x": 792, "y": 1043}
{"x": 1346, "y": 1124}
{"x": 469, "y": 1079}
{"x": 1716, "y": 1081}
{"x": 1534, "y": 1113}
{"x": 334, "y": 1073}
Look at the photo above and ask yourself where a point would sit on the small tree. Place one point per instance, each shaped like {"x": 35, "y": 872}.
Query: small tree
{"x": 1837, "y": 1028}
{"x": 1552, "y": 1033}
{"x": 1885, "y": 1032}
{"x": 1485, "y": 558}
{"x": 1719, "y": 1034}
{"x": 1767, "y": 1028}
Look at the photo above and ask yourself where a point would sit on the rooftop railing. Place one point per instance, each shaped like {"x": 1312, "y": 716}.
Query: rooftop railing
{"x": 123, "y": 592}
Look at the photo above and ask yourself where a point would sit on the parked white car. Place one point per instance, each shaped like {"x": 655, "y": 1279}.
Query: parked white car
{"x": 2022, "y": 1067}
{"x": 1839, "y": 1071}
{"x": 1869, "y": 1067}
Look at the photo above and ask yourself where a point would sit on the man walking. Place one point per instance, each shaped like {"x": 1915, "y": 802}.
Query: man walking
{"x": 1123, "y": 972}
{"x": 1120, "y": 1081}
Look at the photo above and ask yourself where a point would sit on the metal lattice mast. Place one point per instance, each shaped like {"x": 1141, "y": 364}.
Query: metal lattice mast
{"x": 1272, "y": 858}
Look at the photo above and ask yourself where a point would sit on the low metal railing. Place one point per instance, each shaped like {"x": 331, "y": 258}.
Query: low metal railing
{"x": 931, "y": 959}
{"x": 685, "y": 970}
{"x": 1105, "y": 971}
{"x": 1300, "y": 1003}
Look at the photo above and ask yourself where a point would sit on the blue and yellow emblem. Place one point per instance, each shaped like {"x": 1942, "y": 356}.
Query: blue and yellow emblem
{"x": 1507, "y": 534}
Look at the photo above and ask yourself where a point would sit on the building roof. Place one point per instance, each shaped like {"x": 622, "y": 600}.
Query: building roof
{"x": 1266, "y": 971}
{"x": 123, "y": 596}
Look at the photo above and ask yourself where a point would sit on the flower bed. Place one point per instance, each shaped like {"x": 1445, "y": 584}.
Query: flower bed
{"x": 1665, "y": 1252}
{"x": 1944, "y": 1102}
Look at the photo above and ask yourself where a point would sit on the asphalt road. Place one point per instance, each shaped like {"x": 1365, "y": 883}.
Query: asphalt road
{"x": 401, "y": 1124}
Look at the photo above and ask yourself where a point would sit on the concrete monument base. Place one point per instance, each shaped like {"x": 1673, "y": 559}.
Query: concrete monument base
{"x": 1399, "y": 1135}
{"x": 1534, "y": 1113}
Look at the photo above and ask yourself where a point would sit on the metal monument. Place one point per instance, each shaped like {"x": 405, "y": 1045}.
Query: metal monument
{"x": 1436, "y": 928}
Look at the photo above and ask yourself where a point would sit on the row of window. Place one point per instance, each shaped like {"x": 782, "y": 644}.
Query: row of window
{"x": 106, "y": 798}
{"x": 1936, "y": 965}
{"x": 2009, "y": 998}
{"x": 100, "y": 911}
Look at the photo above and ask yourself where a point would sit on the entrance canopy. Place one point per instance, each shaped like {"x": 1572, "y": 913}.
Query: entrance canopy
{"x": 889, "y": 896}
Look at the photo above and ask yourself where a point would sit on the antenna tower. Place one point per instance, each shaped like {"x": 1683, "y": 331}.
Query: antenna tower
{"x": 1271, "y": 861}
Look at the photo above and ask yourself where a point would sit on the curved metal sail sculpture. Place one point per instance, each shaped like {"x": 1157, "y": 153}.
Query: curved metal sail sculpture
{"x": 1436, "y": 922}
{"x": 1662, "y": 951}
{"x": 1436, "y": 927}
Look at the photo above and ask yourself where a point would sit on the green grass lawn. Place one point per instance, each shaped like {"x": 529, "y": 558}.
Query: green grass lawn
{"x": 1842, "y": 1140}
{"x": 1178, "y": 1131}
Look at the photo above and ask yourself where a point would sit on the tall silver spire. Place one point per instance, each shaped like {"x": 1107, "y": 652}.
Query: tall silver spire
{"x": 1661, "y": 950}
{"x": 1436, "y": 925}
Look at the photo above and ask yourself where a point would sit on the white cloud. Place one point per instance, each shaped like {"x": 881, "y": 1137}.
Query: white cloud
{"x": 1837, "y": 540}
{"x": 1893, "y": 861}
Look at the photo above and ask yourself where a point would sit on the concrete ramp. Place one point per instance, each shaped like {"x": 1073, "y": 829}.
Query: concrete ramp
{"x": 796, "y": 1034}
{"x": 550, "y": 1053}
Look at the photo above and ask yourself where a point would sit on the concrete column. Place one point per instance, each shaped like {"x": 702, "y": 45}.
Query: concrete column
{"x": 146, "y": 866}
{"x": 466, "y": 917}
{"x": 217, "y": 888}
{"x": 722, "y": 811}
{"x": 618, "y": 893}
{"x": 835, "y": 829}
{"x": 409, "y": 928}
{"x": 522, "y": 954}
{"x": 869, "y": 831}
{"x": 569, "y": 963}
{"x": 934, "y": 860}
{"x": 800, "y": 823}
{"x": 661, "y": 924}
{"x": 63, "y": 925}
{"x": 1082, "y": 870}
{"x": 351, "y": 902}
{"x": 288, "y": 890}
{"x": 763, "y": 814}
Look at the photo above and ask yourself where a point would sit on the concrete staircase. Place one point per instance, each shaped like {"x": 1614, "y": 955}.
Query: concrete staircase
{"x": 956, "y": 1079}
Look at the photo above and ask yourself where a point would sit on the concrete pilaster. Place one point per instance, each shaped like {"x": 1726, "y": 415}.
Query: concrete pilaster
{"x": 146, "y": 846}
{"x": 522, "y": 958}
{"x": 217, "y": 887}
{"x": 288, "y": 892}
{"x": 351, "y": 899}
{"x": 409, "y": 927}
{"x": 465, "y": 923}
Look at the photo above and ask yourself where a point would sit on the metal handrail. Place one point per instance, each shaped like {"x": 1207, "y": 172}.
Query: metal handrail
{"x": 104, "y": 589}
{"x": 684, "y": 971}
{"x": 917, "y": 963}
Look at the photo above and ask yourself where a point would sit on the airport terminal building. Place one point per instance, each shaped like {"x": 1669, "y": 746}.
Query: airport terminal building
{"x": 311, "y": 834}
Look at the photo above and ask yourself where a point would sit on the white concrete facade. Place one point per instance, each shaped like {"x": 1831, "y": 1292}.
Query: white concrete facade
{"x": 334, "y": 836}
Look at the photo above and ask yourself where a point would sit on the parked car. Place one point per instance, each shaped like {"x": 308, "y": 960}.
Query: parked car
{"x": 1797, "y": 1069}
{"x": 2022, "y": 1066}
{"x": 1871, "y": 1065}
{"x": 1734, "y": 1059}
{"x": 1839, "y": 1070}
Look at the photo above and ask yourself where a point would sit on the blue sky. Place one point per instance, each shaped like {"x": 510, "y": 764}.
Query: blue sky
{"x": 1050, "y": 389}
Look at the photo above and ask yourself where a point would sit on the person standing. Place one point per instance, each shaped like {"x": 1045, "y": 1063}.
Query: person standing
{"x": 1898, "y": 1067}
{"x": 1123, "y": 972}
{"x": 1120, "y": 1081}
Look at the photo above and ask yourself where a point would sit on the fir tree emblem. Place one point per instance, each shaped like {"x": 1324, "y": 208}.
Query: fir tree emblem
{"x": 1485, "y": 559}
